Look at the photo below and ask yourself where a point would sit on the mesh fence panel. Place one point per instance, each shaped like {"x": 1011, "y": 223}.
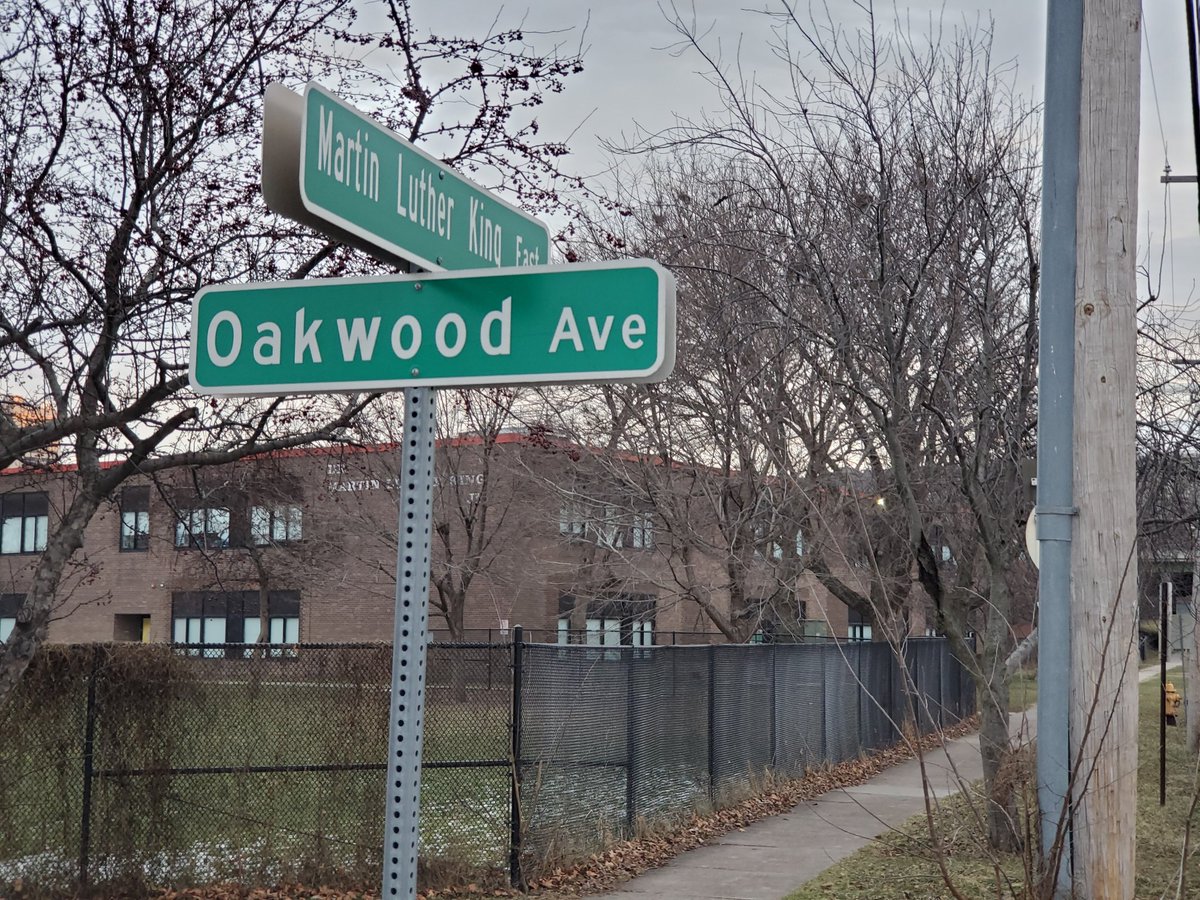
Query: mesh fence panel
{"x": 799, "y": 708}
{"x": 877, "y": 714}
{"x": 256, "y": 765}
{"x": 239, "y": 764}
{"x": 925, "y": 672}
{"x": 574, "y": 744}
{"x": 669, "y": 702}
{"x": 841, "y": 702}
{"x": 743, "y": 714}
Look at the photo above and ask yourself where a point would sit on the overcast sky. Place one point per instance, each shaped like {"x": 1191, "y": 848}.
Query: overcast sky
{"x": 633, "y": 78}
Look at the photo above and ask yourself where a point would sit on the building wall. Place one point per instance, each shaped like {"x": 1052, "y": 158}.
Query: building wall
{"x": 344, "y": 567}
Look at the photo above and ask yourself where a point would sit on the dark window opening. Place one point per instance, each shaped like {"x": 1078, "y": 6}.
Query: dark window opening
{"x": 208, "y": 618}
{"x": 24, "y": 522}
{"x": 135, "y": 518}
{"x": 625, "y": 620}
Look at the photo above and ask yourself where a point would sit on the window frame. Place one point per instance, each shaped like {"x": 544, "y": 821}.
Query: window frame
{"x": 135, "y": 501}
{"x": 641, "y": 532}
{"x": 33, "y": 528}
{"x": 10, "y": 608}
{"x": 229, "y": 614}
{"x": 186, "y": 538}
{"x": 276, "y": 517}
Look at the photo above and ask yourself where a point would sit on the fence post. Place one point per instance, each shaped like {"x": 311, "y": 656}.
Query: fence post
{"x": 712, "y": 722}
{"x": 516, "y": 877}
{"x": 89, "y": 746}
{"x": 824, "y": 714}
{"x": 774, "y": 679}
{"x": 630, "y": 733}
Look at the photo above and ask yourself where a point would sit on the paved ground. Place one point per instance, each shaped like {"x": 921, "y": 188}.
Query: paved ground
{"x": 775, "y": 856}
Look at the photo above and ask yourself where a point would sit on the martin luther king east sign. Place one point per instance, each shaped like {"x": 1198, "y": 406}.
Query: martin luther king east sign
{"x": 538, "y": 324}
{"x": 379, "y": 190}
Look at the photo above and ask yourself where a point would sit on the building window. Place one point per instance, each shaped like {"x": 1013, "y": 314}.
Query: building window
{"x": 572, "y": 519}
{"x": 608, "y": 528}
{"x": 622, "y": 621}
{"x": 280, "y": 630}
{"x": 24, "y": 522}
{"x": 641, "y": 536}
{"x": 232, "y": 618}
{"x": 858, "y": 627}
{"x": 10, "y": 605}
{"x": 276, "y": 524}
{"x": 206, "y": 528}
{"x": 135, "y": 518}
{"x": 642, "y": 633}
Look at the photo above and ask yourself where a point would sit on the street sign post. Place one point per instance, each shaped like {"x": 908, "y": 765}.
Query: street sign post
{"x": 518, "y": 321}
{"x": 538, "y": 325}
{"x": 327, "y": 164}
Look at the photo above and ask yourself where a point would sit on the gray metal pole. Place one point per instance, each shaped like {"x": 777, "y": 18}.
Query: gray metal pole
{"x": 407, "y": 715}
{"x": 1056, "y": 387}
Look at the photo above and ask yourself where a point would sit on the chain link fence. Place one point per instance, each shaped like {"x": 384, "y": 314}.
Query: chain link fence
{"x": 129, "y": 767}
{"x": 612, "y": 737}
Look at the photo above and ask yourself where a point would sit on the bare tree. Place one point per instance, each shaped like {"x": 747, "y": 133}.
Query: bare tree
{"x": 128, "y": 137}
{"x": 890, "y": 203}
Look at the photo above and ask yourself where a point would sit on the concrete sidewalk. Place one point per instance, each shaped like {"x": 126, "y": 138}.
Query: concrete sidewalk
{"x": 771, "y": 858}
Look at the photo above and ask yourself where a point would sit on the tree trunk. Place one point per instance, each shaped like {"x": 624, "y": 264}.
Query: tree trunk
{"x": 995, "y": 749}
{"x": 33, "y": 620}
{"x": 459, "y": 662}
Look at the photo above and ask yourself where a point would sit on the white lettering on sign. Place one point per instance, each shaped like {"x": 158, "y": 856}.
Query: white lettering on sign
{"x": 566, "y": 330}
{"x": 501, "y": 317}
{"x": 306, "y": 338}
{"x": 600, "y": 340}
{"x": 460, "y": 335}
{"x": 347, "y": 160}
{"x": 235, "y": 345}
{"x": 423, "y": 203}
{"x": 525, "y": 256}
{"x": 358, "y": 340}
{"x": 358, "y": 336}
{"x": 266, "y": 348}
{"x": 484, "y": 237}
{"x": 632, "y": 329}
{"x": 409, "y": 350}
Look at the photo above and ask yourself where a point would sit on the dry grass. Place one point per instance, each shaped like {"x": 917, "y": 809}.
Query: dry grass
{"x": 901, "y": 864}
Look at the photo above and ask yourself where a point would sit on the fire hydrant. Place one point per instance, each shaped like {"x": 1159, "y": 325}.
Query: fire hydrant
{"x": 1171, "y": 706}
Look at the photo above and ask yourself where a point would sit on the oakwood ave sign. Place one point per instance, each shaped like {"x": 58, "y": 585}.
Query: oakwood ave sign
{"x": 529, "y": 325}
{"x": 376, "y": 187}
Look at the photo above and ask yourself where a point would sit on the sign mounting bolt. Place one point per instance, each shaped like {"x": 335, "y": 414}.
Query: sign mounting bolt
{"x": 415, "y": 372}
{"x": 417, "y": 286}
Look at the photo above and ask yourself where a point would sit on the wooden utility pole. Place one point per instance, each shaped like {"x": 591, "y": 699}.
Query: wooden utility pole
{"x": 1103, "y": 721}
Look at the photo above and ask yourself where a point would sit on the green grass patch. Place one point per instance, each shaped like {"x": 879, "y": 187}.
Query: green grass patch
{"x": 1022, "y": 690}
{"x": 152, "y": 823}
{"x": 902, "y": 863}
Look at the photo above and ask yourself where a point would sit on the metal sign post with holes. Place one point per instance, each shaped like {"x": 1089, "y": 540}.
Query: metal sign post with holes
{"x": 513, "y": 321}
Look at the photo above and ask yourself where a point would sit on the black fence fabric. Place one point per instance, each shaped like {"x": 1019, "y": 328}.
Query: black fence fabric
{"x": 125, "y": 767}
{"x": 613, "y": 736}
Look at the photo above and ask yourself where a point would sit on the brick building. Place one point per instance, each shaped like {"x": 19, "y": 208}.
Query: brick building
{"x": 301, "y": 546}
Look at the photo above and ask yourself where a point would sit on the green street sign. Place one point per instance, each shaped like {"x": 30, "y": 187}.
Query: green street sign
{"x": 371, "y": 183}
{"x": 536, "y": 325}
